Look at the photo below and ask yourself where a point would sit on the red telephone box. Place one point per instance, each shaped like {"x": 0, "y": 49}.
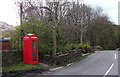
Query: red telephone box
{"x": 30, "y": 49}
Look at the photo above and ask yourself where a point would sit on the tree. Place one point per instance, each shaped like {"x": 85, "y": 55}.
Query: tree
{"x": 80, "y": 18}
{"x": 52, "y": 13}
{"x": 78, "y": 22}
{"x": 101, "y": 32}
{"x": 55, "y": 15}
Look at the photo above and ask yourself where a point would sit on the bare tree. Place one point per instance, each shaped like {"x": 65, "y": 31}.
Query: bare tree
{"x": 80, "y": 17}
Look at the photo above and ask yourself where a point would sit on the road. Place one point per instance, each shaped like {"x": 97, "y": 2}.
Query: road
{"x": 100, "y": 63}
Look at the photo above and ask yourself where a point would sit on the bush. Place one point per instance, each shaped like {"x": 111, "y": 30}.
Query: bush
{"x": 11, "y": 57}
{"x": 67, "y": 47}
{"x": 76, "y": 46}
{"x": 98, "y": 47}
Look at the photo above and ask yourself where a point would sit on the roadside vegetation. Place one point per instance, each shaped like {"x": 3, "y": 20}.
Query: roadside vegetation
{"x": 22, "y": 67}
{"x": 63, "y": 28}
{"x": 78, "y": 58}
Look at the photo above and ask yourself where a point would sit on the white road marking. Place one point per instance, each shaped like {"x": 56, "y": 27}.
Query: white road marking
{"x": 115, "y": 56}
{"x": 55, "y": 68}
{"x": 108, "y": 70}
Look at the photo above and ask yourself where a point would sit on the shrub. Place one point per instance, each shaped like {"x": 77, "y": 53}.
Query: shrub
{"x": 11, "y": 57}
{"x": 67, "y": 47}
{"x": 76, "y": 46}
{"x": 98, "y": 47}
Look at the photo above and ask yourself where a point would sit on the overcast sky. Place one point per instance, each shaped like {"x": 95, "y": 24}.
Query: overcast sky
{"x": 9, "y": 12}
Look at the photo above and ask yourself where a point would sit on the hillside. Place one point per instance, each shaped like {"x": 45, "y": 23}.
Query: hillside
{"x": 5, "y": 27}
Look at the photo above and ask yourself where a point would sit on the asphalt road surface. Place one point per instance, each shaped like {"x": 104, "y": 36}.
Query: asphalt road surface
{"x": 100, "y": 63}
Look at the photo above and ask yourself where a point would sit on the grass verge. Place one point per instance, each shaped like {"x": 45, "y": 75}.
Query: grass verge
{"x": 22, "y": 67}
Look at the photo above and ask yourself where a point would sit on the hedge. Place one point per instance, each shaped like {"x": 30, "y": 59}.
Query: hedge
{"x": 11, "y": 57}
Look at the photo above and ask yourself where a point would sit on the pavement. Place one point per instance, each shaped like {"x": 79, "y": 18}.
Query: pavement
{"x": 100, "y": 64}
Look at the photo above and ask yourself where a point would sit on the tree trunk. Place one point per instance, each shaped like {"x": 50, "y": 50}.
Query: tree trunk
{"x": 54, "y": 42}
{"x": 81, "y": 37}
{"x": 21, "y": 31}
{"x": 54, "y": 29}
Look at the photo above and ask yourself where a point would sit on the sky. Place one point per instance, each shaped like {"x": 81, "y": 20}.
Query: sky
{"x": 109, "y": 7}
{"x": 119, "y": 13}
{"x": 9, "y": 10}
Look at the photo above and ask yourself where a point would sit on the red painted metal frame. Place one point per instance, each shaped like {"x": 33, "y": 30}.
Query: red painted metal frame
{"x": 27, "y": 49}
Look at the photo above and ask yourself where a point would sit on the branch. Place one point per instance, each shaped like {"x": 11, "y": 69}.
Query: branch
{"x": 47, "y": 23}
{"x": 47, "y": 9}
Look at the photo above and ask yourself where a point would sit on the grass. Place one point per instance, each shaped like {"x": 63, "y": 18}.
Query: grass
{"x": 22, "y": 67}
